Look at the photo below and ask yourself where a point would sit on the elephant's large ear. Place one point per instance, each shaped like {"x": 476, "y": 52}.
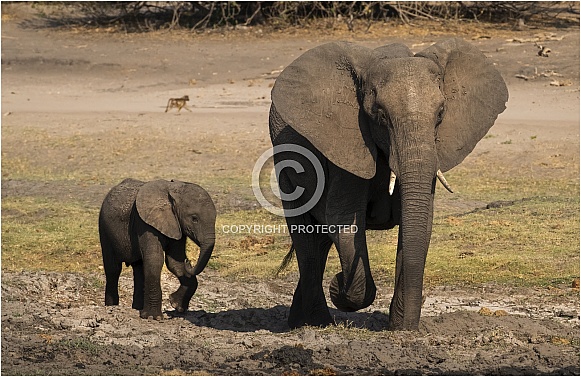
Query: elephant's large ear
{"x": 475, "y": 94}
{"x": 318, "y": 96}
{"x": 155, "y": 207}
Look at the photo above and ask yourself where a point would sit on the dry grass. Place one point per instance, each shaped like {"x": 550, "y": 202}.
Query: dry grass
{"x": 43, "y": 234}
{"x": 526, "y": 242}
{"x": 532, "y": 239}
{"x": 533, "y": 242}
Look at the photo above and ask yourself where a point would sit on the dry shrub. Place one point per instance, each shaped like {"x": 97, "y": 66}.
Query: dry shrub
{"x": 140, "y": 16}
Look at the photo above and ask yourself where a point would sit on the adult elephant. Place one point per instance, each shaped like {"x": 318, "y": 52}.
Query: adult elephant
{"x": 383, "y": 124}
{"x": 143, "y": 223}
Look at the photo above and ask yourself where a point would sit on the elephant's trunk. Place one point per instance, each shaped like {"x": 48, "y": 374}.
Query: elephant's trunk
{"x": 413, "y": 242}
{"x": 416, "y": 176}
{"x": 206, "y": 248}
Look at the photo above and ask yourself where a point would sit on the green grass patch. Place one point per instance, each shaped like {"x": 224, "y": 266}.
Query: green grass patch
{"x": 534, "y": 241}
{"x": 530, "y": 242}
{"x": 530, "y": 238}
{"x": 478, "y": 184}
{"x": 44, "y": 234}
{"x": 81, "y": 344}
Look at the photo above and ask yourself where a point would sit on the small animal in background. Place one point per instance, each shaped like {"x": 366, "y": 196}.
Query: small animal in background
{"x": 142, "y": 224}
{"x": 178, "y": 103}
{"x": 543, "y": 50}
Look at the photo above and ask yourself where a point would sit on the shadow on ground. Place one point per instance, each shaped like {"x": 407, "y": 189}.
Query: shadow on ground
{"x": 275, "y": 319}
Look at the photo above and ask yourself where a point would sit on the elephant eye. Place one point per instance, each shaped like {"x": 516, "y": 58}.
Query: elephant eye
{"x": 195, "y": 219}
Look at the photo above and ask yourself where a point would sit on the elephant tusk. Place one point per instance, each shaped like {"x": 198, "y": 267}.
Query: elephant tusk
{"x": 443, "y": 181}
{"x": 391, "y": 182}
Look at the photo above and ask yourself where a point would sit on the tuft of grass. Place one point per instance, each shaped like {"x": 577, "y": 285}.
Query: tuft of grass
{"x": 82, "y": 344}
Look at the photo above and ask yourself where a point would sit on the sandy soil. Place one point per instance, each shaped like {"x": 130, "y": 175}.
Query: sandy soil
{"x": 103, "y": 86}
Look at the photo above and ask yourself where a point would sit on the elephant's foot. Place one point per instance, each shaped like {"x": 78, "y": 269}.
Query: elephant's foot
{"x": 177, "y": 302}
{"x": 111, "y": 299}
{"x": 317, "y": 318}
{"x": 398, "y": 324}
{"x": 180, "y": 299}
{"x": 151, "y": 314}
{"x": 360, "y": 294}
{"x": 399, "y": 321}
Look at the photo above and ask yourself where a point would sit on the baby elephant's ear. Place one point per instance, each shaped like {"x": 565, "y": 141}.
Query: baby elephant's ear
{"x": 318, "y": 95}
{"x": 475, "y": 94}
{"x": 155, "y": 206}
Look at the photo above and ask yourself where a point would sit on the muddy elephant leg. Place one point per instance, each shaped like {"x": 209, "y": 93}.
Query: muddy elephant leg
{"x": 112, "y": 272}
{"x": 309, "y": 306}
{"x": 138, "y": 285}
{"x": 353, "y": 288}
{"x": 153, "y": 257}
{"x": 174, "y": 260}
{"x": 112, "y": 285}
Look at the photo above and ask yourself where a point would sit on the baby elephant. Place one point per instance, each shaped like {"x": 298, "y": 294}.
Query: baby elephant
{"x": 139, "y": 222}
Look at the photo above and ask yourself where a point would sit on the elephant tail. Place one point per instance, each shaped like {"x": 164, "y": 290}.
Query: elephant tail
{"x": 286, "y": 260}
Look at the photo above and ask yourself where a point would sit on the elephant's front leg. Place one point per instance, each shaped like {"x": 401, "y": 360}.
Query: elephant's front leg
{"x": 153, "y": 256}
{"x": 346, "y": 210}
{"x": 174, "y": 260}
{"x": 353, "y": 288}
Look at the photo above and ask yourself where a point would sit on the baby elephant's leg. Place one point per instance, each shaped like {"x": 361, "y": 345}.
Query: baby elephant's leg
{"x": 152, "y": 265}
{"x": 174, "y": 260}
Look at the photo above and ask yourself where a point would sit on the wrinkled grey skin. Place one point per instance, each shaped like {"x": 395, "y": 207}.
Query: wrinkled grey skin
{"x": 143, "y": 223}
{"x": 364, "y": 113}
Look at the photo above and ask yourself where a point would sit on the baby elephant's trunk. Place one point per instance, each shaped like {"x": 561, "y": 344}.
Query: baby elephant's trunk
{"x": 206, "y": 249}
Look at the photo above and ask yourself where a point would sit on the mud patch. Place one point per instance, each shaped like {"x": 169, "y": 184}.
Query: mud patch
{"x": 55, "y": 323}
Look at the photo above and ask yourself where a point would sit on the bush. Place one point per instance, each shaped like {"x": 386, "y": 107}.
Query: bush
{"x": 138, "y": 16}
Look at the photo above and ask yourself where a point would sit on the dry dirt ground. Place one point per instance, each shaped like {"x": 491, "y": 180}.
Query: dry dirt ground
{"x": 101, "y": 87}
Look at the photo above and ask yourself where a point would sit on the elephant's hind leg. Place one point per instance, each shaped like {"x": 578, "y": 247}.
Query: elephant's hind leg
{"x": 138, "y": 285}
{"x": 112, "y": 272}
{"x": 112, "y": 285}
{"x": 309, "y": 306}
